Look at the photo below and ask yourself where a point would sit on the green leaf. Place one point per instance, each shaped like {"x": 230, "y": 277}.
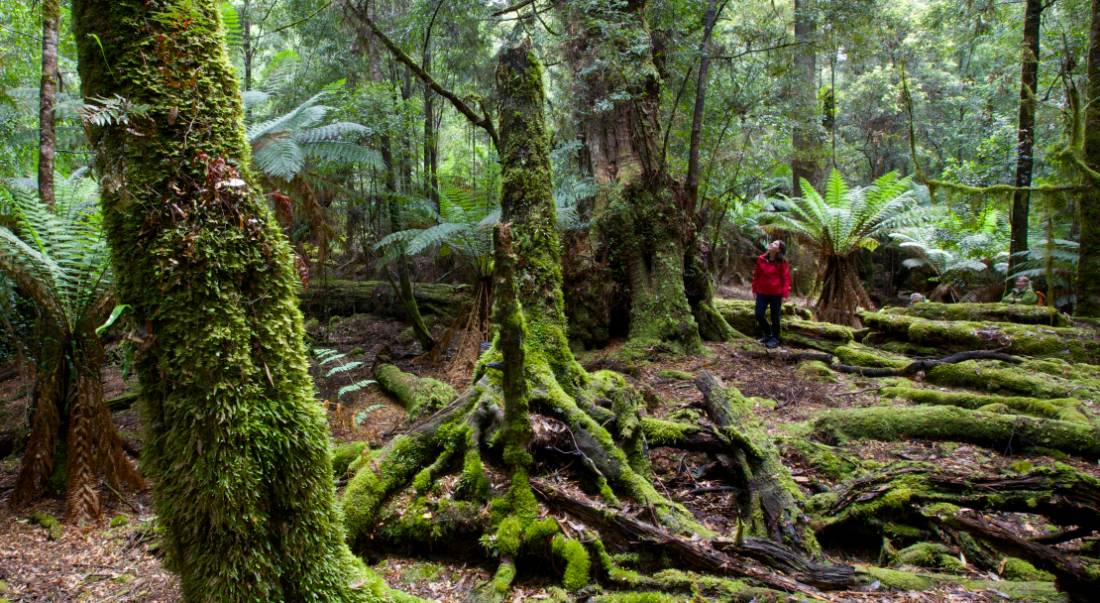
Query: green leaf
{"x": 115, "y": 313}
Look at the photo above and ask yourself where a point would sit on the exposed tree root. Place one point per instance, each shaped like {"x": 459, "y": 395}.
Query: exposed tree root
{"x": 1003, "y": 433}
{"x": 1078, "y": 577}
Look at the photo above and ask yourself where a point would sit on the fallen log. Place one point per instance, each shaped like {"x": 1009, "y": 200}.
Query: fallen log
{"x": 417, "y": 394}
{"x": 344, "y": 298}
{"x": 1025, "y": 379}
{"x": 1014, "y": 313}
{"x": 1073, "y": 344}
{"x": 1003, "y": 433}
{"x": 925, "y": 364}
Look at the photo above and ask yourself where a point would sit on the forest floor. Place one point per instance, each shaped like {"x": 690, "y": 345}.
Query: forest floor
{"x": 117, "y": 560}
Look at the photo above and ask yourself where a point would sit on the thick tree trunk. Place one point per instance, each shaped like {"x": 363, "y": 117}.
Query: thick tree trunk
{"x": 1088, "y": 266}
{"x": 209, "y": 275}
{"x": 642, "y": 224}
{"x": 47, "y": 98}
{"x": 1025, "y": 131}
{"x": 805, "y": 138}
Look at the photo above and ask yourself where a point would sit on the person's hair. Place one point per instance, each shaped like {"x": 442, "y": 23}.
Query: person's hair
{"x": 782, "y": 256}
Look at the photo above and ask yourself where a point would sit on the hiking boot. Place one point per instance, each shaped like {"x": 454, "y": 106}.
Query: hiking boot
{"x": 772, "y": 343}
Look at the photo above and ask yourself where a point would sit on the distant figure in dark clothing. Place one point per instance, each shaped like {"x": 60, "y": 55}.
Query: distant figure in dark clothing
{"x": 771, "y": 283}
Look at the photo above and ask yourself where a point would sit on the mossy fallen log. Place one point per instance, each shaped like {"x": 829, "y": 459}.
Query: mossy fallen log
{"x": 1002, "y": 433}
{"x": 418, "y": 395}
{"x": 797, "y": 327}
{"x": 1019, "y": 314}
{"x": 344, "y": 298}
{"x": 1067, "y": 343}
{"x": 857, "y": 354}
{"x": 1066, "y": 409}
{"x": 1025, "y": 379}
{"x": 1033, "y": 592}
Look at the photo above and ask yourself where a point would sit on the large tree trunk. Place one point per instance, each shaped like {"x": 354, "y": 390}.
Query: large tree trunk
{"x": 640, "y": 216}
{"x": 805, "y": 139}
{"x": 47, "y": 98}
{"x": 237, "y": 446}
{"x": 1088, "y": 267}
{"x": 1025, "y": 131}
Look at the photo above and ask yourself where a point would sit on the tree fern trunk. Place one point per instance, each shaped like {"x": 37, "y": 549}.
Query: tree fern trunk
{"x": 236, "y": 445}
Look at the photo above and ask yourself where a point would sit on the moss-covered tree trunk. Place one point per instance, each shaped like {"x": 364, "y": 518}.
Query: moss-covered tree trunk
{"x": 641, "y": 214}
{"x": 1088, "y": 267}
{"x": 806, "y": 149}
{"x": 236, "y": 445}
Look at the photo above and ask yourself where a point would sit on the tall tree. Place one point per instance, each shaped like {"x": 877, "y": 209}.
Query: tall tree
{"x": 1088, "y": 266}
{"x": 1025, "y": 130}
{"x": 805, "y": 138}
{"x": 641, "y": 218}
{"x": 236, "y": 444}
{"x": 47, "y": 98}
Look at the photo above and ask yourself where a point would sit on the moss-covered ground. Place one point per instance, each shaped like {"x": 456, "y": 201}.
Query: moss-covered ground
{"x": 894, "y": 551}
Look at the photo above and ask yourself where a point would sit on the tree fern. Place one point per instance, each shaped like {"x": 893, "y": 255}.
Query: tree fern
{"x": 840, "y": 223}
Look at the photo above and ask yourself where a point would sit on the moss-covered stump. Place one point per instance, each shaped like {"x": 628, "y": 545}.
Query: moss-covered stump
{"x": 796, "y": 325}
{"x": 344, "y": 298}
{"x": 1066, "y": 409}
{"x": 1020, "y": 314}
{"x": 1026, "y": 379}
{"x": 419, "y": 395}
{"x": 1067, "y": 343}
{"x": 1002, "y": 433}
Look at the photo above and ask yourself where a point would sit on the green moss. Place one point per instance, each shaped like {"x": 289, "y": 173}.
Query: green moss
{"x": 1038, "y": 315}
{"x": 1022, "y": 571}
{"x": 857, "y": 354}
{"x": 1066, "y": 409}
{"x": 419, "y": 395}
{"x": 659, "y": 432}
{"x": 1028, "y": 340}
{"x": 509, "y": 536}
{"x": 49, "y": 523}
{"x": 577, "y": 563}
{"x": 998, "y": 432}
{"x": 1018, "y": 380}
{"x": 823, "y": 458}
{"x": 899, "y": 580}
{"x": 119, "y": 521}
{"x": 389, "y": 469}
{"x": 675, "y": 374}
{"x": 344, "y": 454}
{"x": 930, "y": 555}
{"x": 637, "y": 597}
{"x": 815, "y": 370}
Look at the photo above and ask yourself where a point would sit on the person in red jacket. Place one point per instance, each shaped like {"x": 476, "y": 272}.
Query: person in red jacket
{"x": 771, "y": 283}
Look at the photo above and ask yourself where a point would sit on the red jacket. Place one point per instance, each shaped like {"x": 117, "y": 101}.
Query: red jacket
{"x": 771, "y": 278}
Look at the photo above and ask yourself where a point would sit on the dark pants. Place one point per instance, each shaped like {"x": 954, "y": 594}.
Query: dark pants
{"x": 775, "y": 302}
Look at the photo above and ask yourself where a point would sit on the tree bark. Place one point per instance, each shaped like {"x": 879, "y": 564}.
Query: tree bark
{"x": 1025, "y": 131}
{"x": 209, "y": 276}
{"x": 47, "y": 98}
{"x": 1088, "y": 266}
{"x": 805, "y": 139}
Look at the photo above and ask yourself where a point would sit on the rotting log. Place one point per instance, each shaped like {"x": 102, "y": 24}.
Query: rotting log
{"x": 345, "y": 298}
{"x": 770, "y": 501}
{"x": 1025, "y": 379}
{"x": 1002, "y": 433}
{"x": 417, "y": 394}
{"x": 1067, "y": 343}
{"x": 1014, "y": 313}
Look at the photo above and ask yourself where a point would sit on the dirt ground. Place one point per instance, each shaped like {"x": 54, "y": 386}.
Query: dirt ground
{"x": 117, "y": 560}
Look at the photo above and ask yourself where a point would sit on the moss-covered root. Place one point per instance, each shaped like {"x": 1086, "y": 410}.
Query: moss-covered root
{"x": 1028, "y": 315}
{"x": 770, "y": 503}
{"x": 1032, "y": 378}
{"x": 1073, "y": 344}
{"x": 857, "y": 354}
{"x": 418, "y": 395}
{"x": 1033, "y": 592}
{"x": 1065, "y": 409}
{"x": 1001, "y": 433}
